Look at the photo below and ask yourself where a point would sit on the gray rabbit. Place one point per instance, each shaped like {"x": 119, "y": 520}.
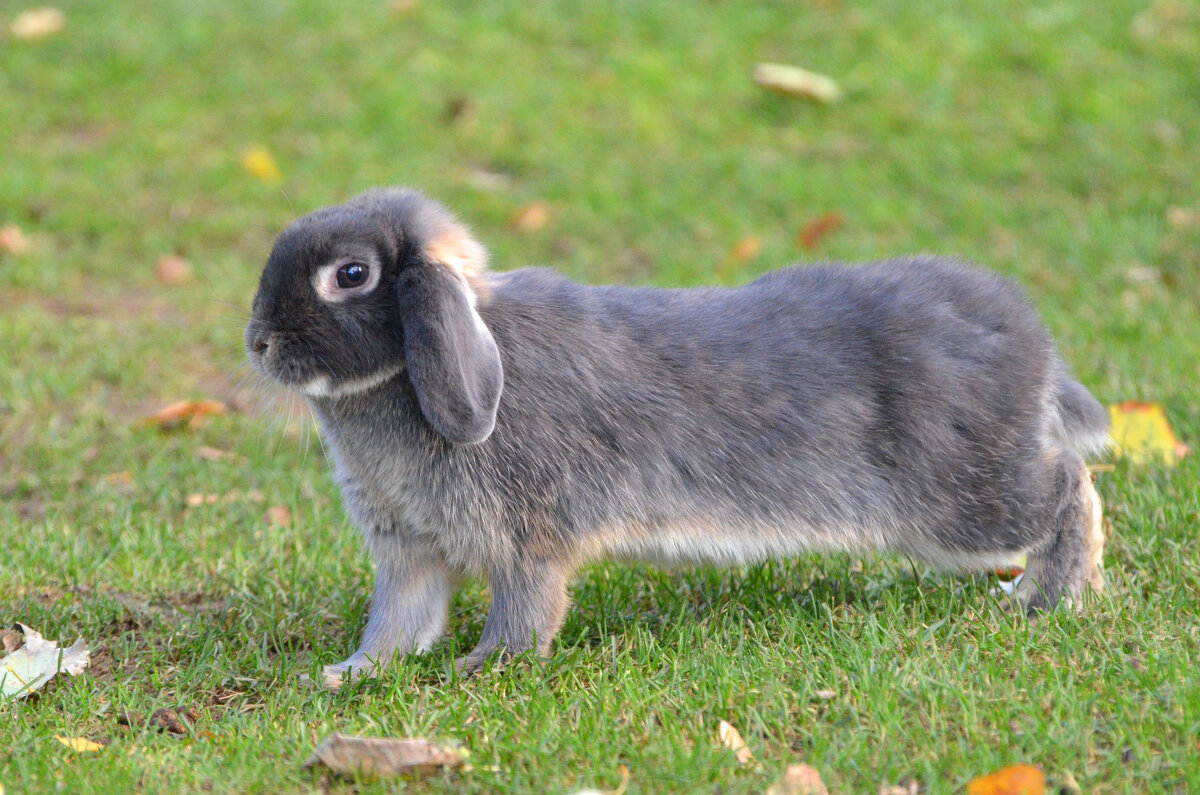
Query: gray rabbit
{"x": 518, "y": 425}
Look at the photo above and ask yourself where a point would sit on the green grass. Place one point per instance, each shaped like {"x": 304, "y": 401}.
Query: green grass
{"x": 1046, "y": 141}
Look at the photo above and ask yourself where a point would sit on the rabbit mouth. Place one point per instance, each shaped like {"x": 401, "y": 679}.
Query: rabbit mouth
{"x": 323, "y": 386}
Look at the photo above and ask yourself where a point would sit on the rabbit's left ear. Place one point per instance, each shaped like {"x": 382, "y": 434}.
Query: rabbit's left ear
{"x": 453, "y": 362}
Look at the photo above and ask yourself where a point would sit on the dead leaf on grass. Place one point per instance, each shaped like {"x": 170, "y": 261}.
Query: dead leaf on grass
{"x": 29, "y": 667}
{"x": 731, "y": 738}
{"x": 746, "y": 249}
{"x": 79, "y": 744}
{"x": 278, "y": 514}
{"x": 799, "y": 780}
{"x": 907, "y": 786}
{"x": 378, "y": 756}
{"x": 13, "y": 240}
{"x": 796, "y": 82}
{"x": 36, "y": 24}
{"x": 1012, "y": 780}
{"x": 818, "y": 228}
{"x": 189, "y": 412}
{"x": 531, "y": 218}
{"x": 173, "y": 269}
{"x": 620, "y": 790}
{"x": 1140, "y": 432}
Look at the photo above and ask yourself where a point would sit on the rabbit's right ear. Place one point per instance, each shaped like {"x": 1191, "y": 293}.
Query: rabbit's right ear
{"x": 452, "y": 359}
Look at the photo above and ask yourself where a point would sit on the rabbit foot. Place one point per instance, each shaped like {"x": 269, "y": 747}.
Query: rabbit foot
{"x": 1072, "y": 565}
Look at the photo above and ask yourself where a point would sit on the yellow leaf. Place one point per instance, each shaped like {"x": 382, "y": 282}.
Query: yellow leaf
{"x": 1013, "y": 780}
{"x": 796, "y": 82}
{"x": 259, "y": 163}
{"x": 78, "y": 744}
{"x": 38, "y": 23}
{"x": 732, "y": 739}
{"x": 1141, "y": 433}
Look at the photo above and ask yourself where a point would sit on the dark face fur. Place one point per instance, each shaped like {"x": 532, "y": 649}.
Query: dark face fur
{"x": 325, "y": 317}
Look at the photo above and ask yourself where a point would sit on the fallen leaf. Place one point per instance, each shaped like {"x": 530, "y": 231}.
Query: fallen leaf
{"x": 173, "y": 269}
{"x": 193, "y": 412}
{"x": 122, "y": 478}
{"x": 907, "y": 786}
{"x": 746, "y": 249}
{"x": 13, "y": 240}
{"x": 818, "y": 228}
{"x": 531, "y": 217}
{"x": 825, "y": 695}
{"x": 620, "y": 790}
{"x": 38, "y": 23}
{"x": 10, "y": 640}
{"x": 168, "y": 720}
{"x": 1182, "y": 218}
{"x": 402, "y": 8}
{"x": 258, "y": 162}
{"x": 796, "y": 82}
{"x": 799, "y": 780}
{"x": 1141, "y": 433}
{"x": 1014, "y": 780}
{"x": 377, "y": 756}
{"x": 278, "y": 514}
{"x": 34, "y": 664}
{"x": 1067, "y": 785}
{"x": 206, "y": 453}
{"x": 79, "y": 744}
{"x": 732, "y": 739}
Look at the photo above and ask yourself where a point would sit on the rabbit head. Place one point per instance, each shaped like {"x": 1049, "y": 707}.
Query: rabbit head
{"x": 355, "y": 295}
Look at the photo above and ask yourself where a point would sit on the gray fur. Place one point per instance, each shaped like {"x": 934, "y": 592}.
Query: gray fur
{"x": 915, "y": 405}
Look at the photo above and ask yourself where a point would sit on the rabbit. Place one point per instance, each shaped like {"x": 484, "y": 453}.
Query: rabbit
{"x": 517, "y": 425}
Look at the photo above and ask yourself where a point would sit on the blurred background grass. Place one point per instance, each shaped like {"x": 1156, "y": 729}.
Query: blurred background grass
{"x": 1052, "y": 141}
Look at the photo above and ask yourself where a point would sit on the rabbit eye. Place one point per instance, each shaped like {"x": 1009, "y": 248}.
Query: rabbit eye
{"x": 351, "y": 275}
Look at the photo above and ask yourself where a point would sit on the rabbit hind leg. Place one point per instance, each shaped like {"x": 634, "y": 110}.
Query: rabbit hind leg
{"x": 1070, "y": 562}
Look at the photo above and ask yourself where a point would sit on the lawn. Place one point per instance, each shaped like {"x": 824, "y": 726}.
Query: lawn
{"x": 1055, "y": 142}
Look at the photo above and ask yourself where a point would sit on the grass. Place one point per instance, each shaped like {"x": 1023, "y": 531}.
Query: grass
{"x": 1046, "y": 141}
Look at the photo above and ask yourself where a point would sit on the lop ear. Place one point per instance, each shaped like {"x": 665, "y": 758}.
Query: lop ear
{"x": 453, "y": 362}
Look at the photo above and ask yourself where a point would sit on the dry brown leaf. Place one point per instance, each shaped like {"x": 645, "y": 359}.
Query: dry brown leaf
{"x": 531, "y": 217}
{"x": 38, "y": 23}
{"x": 796, "y": 82}
{"x": 799, "y": 780}
{"x": 1013, "y": 780}
{"x": 732, "y": 739}
{"x": 825, "y": 695}
{"x": 191, "y": 412}
{"x": 746, "y": 249}
{"x": 816, "y": 229}
{"x": 79, "y": 744}
{"x": 348, "y": 755}
{"x": 278, "y": 514}
{"x": 13, "y": 240}
{"x": 173, "y": 269}
{"x": 10, "y": 640}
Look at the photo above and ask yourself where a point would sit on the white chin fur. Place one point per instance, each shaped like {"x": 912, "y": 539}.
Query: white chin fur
{"x": 323, "y": 386}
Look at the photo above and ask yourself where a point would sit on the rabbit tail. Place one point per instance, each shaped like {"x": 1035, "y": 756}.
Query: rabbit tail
{"x": 1080, "y": 423}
